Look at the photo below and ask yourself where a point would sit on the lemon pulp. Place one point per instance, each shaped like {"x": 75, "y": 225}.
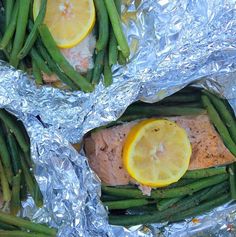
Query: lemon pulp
{"x": 69, "y": 21}
{"x": 157, "y": 152}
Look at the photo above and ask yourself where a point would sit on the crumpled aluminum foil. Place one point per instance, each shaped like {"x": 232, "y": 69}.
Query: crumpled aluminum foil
{"x": 173, "y": 43}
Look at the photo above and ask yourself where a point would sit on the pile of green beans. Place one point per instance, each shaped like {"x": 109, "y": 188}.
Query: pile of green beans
{"x": 111, "y": 43}
{"x": 11, "y": 226}
{"x": 197, "y": 191}
{"x": 16, "y": 177}
{"x": 29, "y": 45}
{"x": 207, "y": 188}
{"x": 222, "y": 118}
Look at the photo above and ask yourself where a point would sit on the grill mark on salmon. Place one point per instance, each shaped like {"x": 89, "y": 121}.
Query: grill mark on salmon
{"x": 104, "y": 148}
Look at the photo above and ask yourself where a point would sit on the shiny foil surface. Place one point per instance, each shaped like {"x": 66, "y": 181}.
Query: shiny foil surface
{"x": 173, "y": 44}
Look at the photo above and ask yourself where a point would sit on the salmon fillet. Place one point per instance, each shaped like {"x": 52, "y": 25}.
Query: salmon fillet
{"x": 104, "y": 148}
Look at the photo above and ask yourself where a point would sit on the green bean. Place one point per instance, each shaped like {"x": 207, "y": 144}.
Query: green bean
{"x": 2, "y": 22}
{"x": 178, "y": 98}
{"x": 8, "y": 11}
{"x": 23, "y": 130}
{"x": 200, "y": 209}
{"x": 2, "y": 56}
{"x": 5, "y": 54}
{"x": 218, "y": 190}
{"x": 191, "y": 188}
{"x": 14, "y": 127}
{"x": 22, "y": 20}
{"x": 121, "y": 58}
{"x": 107, "y": 73}
{"x": 141, "y": 210}
{"x": 117, "y": 27}
{"x": 125, "y": 193}
{"x": 180, "y": 183}
{"x": 113, "y": 49}
{"x": 106, "y": 198}
{"x": 4, "y": 184}
{"x": 27, "y": 175}
{"x": 31, "y": 184}
{"x": 202, "y": 173}
{"x": 158, "y": 216}
{"x": 31, "y": 13}
{"x": 89, "y": 75}
{"x": 22, "y": 223}
{"x": 227, "y": 117}
{"x": 38, "y": 197}
{"x": 168, "y": 193}
{"x": 98, "y": 66}
{"x": 219, "y": 124}
{"x": 162, "y": 111}
{"x": 128, "y": 186}
{"x": 210, "y": 193}
{"x": 137, "y": 112}
{"x": 194, "y": 104}
{"x": 124, "y": 204}
{"x": 166, "y": 203}
{"x": 40, "y": 62}
{"x": 118, "y": 6}
{"x": 61, "y": 61}
{"x": 15, "y": 159}
{"x": 22, "y": 66}
{"x": 27, "y": 157}
{"x": 15, "y": 205}
{"x": 125, "y": 118}
{"x": 37, "y": 73}
{"x": 33, "y": 33}
{"x": 214, "y": 191}
{"x": 102, "y": 16}
{"x": 10, "y": 30}
{"x": 19, "y": 233}
{"x": 4, "y": 226}
{"x": 5, "y": 156}
{"x": 9, "y": 49}
{"x": 232, "y": 180}
{"x": 53, "y": 66}
{"x": 23, "y": 189}
{"x": 189, "y": 90}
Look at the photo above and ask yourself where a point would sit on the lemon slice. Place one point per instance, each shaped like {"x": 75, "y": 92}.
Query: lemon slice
{"x": 156, "y": 152}
{"x": 69, "y": 21}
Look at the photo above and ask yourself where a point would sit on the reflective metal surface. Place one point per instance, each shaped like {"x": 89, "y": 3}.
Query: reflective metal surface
{"x": 173, "y": 43}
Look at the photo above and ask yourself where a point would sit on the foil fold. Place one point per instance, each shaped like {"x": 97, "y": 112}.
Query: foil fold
{"x": 173, "y": 44}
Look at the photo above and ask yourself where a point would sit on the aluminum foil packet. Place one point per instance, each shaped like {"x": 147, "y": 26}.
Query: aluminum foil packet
{"x": 173, "y": 44}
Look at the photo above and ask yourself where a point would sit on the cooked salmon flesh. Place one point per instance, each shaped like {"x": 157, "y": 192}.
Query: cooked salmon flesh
{"x": 104, "y": 148}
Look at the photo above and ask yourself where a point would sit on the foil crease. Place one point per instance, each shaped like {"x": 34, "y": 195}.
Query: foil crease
{"x": 173, "y": 44}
